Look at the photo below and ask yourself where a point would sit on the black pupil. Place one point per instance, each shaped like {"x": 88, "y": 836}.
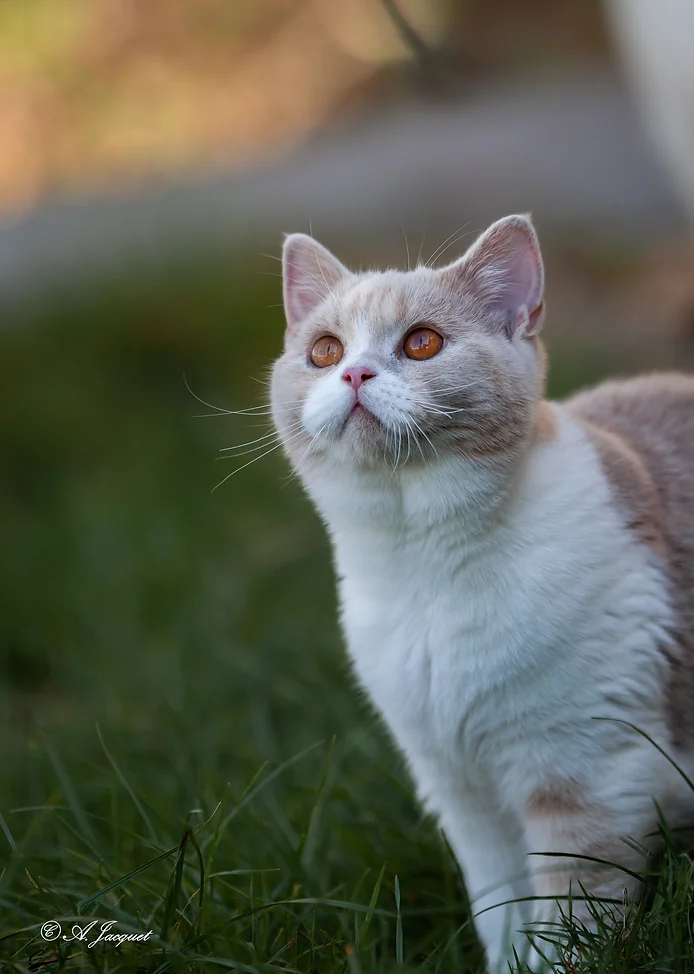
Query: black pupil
{"x": 422, "y": 339}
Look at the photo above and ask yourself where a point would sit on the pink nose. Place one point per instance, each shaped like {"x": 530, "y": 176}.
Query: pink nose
{"x": 357, "y": 376}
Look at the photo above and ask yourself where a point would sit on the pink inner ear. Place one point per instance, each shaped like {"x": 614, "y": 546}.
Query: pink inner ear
{"x": 504, "y": 271}
{"x": 310, "y": 274}
{"x": 520, "y": 288}
{"x": 300, "y": 298}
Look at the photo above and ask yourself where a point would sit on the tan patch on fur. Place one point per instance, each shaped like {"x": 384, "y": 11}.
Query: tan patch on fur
{"x": 563, "y": 796}
{"x": 644, "y": 431}
{"x": 505, "y": 428}
{"x": 496, "y": 434}
{"x": 631, "y": 484}
{"x": 499, "y": 421}
{"x": 541, "y": 353}
{"x": 545, "y": 422}
{"x": 560, "y": 818}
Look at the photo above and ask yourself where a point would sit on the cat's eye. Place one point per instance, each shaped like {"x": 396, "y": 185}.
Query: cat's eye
{"x": 422, "y": 343}
{"x": 327, "y": 351}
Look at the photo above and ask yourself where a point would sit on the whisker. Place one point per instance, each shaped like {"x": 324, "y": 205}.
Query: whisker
{"x": 249, "y": 413}
{"x": 421, "y": 247}
{"x": 407, "y": 247}
{"x": 436, "y": 453}
{"x": 221, "y": 411}
{"x": 295, "y": 473}
{"x": 397, "y": 458}
{"x": 254, "y": 460}
{"x": 468, "y": 409}
{"x": 331, "y": 290}
{"x": 446, "y": 410}
{"x": 448, "y": 243}
{"x": 259, "y": 439}
{"x": 265, "y": 408}
{"x": 408, "y": 431}
{"x": 315, "y": 290}
{"x": 312, "y": 441}
{"x": 433, "y": 409}
{"x": 312, "y": 277}
{"x": 243, "y": 466}
{"x": 195, "y": 396}
{"x": 460, "y": 387}
{"x": 243, "y": 453}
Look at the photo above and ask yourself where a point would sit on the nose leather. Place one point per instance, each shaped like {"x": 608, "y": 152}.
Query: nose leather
{"x": 357, "y": 375}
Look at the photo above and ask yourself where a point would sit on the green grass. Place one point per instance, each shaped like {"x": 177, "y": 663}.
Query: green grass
{"x": 183, "y": 748}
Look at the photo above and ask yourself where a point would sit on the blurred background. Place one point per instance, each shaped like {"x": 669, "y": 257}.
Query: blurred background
{"x": 151, "y": 157}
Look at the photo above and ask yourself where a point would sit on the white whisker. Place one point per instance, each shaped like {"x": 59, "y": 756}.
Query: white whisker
{"x": 460, "y": 387}
{"x": 263, "y": 409}
{"x": 311, "y": 442}
{"x": 448, "y": 243}
{"x": 436, "y": 454}
{"x": 251, "y": 410}
{"x": 407, "y": 247}
{"x": 245, "y": 412}
{"x": 259, "y": 439}
{"x": 397, "y": 455}
{"x": 254, "y": 460}
{"x": 421, "y": 247}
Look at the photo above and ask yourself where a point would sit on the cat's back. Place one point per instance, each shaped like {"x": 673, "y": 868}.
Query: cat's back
{"x": 643, "y": 432}
{"x": 654, "y": 413}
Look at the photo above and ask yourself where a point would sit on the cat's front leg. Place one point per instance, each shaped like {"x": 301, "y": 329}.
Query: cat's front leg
{"x": 489, "y": 845}
{"x": 559, "y": 820}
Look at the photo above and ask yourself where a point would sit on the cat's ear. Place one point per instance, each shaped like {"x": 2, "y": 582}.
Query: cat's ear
{"x": 503, "y": 271}
{"x": 310, "y": 274}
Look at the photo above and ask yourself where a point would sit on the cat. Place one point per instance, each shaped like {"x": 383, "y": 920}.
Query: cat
{"x": 509, "y": 568}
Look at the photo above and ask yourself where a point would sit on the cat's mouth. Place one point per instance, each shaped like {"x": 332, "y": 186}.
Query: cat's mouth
{"x": 361, "y": 413}
{"x": 362, "y": 422}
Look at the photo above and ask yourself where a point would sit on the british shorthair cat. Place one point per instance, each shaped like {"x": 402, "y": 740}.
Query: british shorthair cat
{"x": 509, "y": 568}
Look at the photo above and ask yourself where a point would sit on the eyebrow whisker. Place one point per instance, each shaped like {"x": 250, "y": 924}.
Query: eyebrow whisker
{"x": 451, "y": 239}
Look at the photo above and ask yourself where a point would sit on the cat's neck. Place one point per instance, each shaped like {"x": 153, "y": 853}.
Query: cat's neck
{"x": 470, "y": 498}
{"x": 412, "y": 500}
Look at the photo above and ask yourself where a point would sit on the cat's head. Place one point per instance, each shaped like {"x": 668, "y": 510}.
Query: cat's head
{"x": 402, "y": 368}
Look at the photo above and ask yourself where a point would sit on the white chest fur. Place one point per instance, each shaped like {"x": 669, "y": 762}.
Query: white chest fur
{"x": 489, "y": 651}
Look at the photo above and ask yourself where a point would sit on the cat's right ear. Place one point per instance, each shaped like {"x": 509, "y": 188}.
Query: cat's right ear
{"x": 310, "y": 274}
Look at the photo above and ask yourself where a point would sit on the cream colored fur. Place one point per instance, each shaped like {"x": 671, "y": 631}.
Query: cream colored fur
{"x": 493, "y": 599}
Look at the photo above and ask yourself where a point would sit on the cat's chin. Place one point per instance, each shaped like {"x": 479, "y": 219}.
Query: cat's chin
{"x": 364, "y": 429}
{"x": 366, "y": 443}
{"x": 360, "y": 440}
{"x": 362, "y": 417}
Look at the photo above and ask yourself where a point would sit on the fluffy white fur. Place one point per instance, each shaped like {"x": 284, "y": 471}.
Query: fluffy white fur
{"x": 493, "y": 602}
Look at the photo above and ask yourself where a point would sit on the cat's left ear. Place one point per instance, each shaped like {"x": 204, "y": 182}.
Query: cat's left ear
{"x": 503, "y": 271}
{"x": 310, "y": 273}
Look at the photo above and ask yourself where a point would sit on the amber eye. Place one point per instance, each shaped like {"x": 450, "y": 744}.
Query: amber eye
{"x": 327, "y": 351}
{"x": 422, "y": 343}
